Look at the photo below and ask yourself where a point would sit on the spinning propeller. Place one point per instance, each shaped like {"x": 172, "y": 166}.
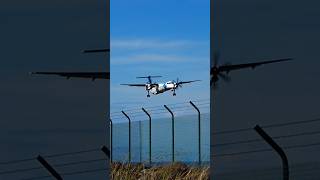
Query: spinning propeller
{"x": 177, "y": 84}
{"x": 216, "y": 73}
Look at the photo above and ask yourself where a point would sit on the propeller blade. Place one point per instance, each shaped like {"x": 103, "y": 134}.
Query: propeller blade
{"x": 178, "y": 83}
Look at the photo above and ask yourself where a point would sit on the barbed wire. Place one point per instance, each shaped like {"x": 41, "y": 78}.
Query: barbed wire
{"x": 162, "y": 109}
{"x": 261, "y": 140}
{"x": 220, "y": 132}
{"x": 157, "y": 107}
{"x": 266, "y": 150}
{"x": 267, "y": 126}
{"x": 69, "y": 174}
{"x": 50, "y": 156}
{"x": 16, "y": 161}
{"x": 72, "y": 153}
{"x": 216, "y": 145}
{"x": 216, "y": 155}
{"x": 20, "y": 170}
{"x": 159, "y": 111}
{"x": 54, "y": 165}
{"x": 80, "y": 162}
{"x": 154, "y": 113}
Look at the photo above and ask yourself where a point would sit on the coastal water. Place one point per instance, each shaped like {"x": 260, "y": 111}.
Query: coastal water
{"x": 263, "y": 166}
{"x": 185, "y": 138}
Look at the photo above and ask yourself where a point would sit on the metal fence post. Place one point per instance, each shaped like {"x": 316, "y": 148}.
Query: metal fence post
{"x": 49, "y": 168}
{"x": 149, "y": 133}
{"x": 199, "y": 131}
{"x": 140, "y": 142}
{"x": 106, "y": 151}
{"x": 129, "y": 134}
{"x": 172, "y": 128}
{"x": 111, "y": 141}
{"x": 277, "y": 148}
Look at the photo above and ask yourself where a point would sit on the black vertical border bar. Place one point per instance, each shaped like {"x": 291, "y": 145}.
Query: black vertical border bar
{"x": 107, "y": 41}
{"x": 211, "y": 90}
{"x": 108, "y": 85}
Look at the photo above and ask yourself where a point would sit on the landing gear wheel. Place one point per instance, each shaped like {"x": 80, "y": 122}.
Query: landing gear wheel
{"x": 148, "y": 94}
{"x": 174, "y": 92}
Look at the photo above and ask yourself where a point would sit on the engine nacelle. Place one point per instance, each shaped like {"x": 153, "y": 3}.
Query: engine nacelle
{"x": 154, "y": 91}
{"x": 148, "y": 87}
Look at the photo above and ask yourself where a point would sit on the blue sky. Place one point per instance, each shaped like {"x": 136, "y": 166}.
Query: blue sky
{"x": 167, "y": 38}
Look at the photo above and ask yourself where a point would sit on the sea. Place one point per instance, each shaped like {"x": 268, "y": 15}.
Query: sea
{"x": 186, "y": 140}
{"x": 265, "y": 166}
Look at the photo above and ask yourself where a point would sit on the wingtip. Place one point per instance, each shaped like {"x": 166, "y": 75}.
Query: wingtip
{"x": 85, "y": 51}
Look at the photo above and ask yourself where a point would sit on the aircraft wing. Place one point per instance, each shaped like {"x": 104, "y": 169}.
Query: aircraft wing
{"x": 185, "y": 82}
{"x": 138, "y": 85}
{"x": 227, "y": 68}
{"x": 96, "y": 50}
{"x": 91, "y": 75}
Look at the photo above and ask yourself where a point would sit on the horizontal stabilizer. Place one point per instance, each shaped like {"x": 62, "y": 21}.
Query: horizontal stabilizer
{"x": 149, "y": 77}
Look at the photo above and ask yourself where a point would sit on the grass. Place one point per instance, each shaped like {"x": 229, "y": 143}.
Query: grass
{"x": 126, "y": 171}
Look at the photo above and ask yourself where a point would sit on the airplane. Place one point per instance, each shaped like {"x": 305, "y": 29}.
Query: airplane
{"x": 158, "y": 88}
{"x": 91, "y": 75}
{"x": 222, "y": 71}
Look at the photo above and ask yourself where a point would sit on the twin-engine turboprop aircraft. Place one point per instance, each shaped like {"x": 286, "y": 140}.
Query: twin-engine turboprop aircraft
{"x": 157, "y": 88}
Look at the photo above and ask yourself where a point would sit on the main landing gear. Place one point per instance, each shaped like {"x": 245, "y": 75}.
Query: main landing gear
{"x": 148, "y": 94}
{"x": 174, "y": 92}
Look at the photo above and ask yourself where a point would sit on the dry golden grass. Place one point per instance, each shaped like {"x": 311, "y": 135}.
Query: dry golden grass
{"x": 122, "y": 171}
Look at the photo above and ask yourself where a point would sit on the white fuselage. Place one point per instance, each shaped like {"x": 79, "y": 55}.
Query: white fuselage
{"x": 162, "y": 87}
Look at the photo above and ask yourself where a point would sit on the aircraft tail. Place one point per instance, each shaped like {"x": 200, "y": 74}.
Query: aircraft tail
{"x": 149, "y": 78}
